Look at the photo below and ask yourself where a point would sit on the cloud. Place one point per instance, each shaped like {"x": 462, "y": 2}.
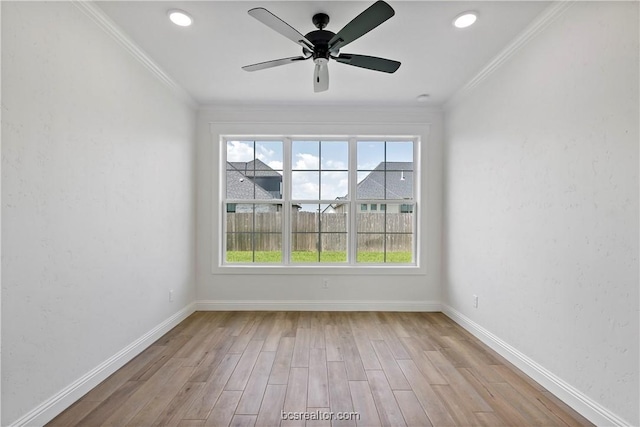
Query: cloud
{"x": 334, "y": 164}
{"x": 275, "y": 164}
{"x": 238, "y": 151}
{"x": 264, "y": 154}
{"x": 306, "y": 161}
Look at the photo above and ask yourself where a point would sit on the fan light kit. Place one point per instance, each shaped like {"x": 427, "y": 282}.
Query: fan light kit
{"x": 323, "y": 45}
{"x": 465, "y": 19}
{"x": 180, "y": 17}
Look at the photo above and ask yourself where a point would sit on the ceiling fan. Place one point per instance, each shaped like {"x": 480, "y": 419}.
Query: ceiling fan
{"x": 322, "y": 45}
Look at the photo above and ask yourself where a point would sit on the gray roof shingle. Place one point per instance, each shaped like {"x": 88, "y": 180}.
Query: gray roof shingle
{"x": 253, "y": 168}
{"x": 396, "y": 176}
{"x": 241, "y": 186}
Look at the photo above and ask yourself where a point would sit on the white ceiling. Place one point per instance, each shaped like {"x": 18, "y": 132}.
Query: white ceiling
{"x": 205, "y": 59}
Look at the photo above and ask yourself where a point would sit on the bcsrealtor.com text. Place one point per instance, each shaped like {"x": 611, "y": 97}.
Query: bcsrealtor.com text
{"x": 319, "y": 415}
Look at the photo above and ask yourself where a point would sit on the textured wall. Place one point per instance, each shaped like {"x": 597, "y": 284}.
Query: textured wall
{"x": 542, "y": 202}
{"x": 305, "y": 284}
{"x": 97, "y": 201}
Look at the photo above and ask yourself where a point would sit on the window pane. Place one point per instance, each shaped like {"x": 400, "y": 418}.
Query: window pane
{"x": 399, "y": 185}
{"x": 370, "y": 248}
{"x": 400, "y": 152}
{"x": 398, "y": 221}
{"x": 334, "y": 185}
{"x": 371, "y": 186}
{"x": 240, "y": 221}
{"x": 305, "y": 218}
{"x": 239, "y": 247}
{"x": 304, "y": 247}
{"x": 370, "y": 222}
{"x": 335, "y": 155}
{"x": 254, "y": 233}
{"x": 399, "y": 248}
{"x": 370, "y": 154}
{"x": 333, "y": 222}
{"x": 240, "y": 151}
{"x": 305, "y": 185}
{"x": 333, "y": 247}
{"x": 270, "y": 154}
{"x": 238, "y": 185}
{"x": 268, "y": 247}
{"x": 254, "y": 170}
{"x": 268, "y": 219}
{"x": 337, "y": 207}
{"x": 305, "y": 155}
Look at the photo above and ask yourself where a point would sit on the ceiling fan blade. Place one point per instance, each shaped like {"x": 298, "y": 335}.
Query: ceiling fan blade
{"x": 321, "y": 78}
{"x": 375, "y": 15}
{"x": 278, "y": 25}
{"x": 274, "y": 63}
{"x": 369, "y": 62}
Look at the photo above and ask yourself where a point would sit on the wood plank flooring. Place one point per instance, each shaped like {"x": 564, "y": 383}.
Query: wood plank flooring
{"x": 386, "y": 369}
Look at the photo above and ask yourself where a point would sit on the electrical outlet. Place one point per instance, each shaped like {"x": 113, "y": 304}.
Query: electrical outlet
{"x": 171, "y": 295}
{"x": 475, "y": 301}
{"x": 325, "y": 283}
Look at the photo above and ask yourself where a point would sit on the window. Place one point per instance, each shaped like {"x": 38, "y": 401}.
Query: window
{"x": 300, "y": 201}
{"x": 406, "y": 208}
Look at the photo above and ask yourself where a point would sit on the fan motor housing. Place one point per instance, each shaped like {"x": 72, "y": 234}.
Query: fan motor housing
{"x": 320, "y": 40}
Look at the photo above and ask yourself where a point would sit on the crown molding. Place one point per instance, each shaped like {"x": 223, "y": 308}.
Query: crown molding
{"x": 538, "y": 25}
{"x": 108, "y": 26}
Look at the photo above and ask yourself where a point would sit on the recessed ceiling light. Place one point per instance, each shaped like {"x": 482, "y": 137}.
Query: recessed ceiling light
{"x": 465, "y": 19}
{"x": 423, "y": 98}
{"x": 180, "y": 17}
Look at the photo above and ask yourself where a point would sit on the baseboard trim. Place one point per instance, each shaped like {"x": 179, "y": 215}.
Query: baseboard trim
{"x": 57, "y": 403}
{"x": 583, "y": 404}
{"x": 316, "y": 305}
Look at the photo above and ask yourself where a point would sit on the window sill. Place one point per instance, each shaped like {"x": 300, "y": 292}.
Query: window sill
{"x": 335, "y": 270}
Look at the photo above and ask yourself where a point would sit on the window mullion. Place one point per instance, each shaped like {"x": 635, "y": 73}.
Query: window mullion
{"x": 352, "y": 235}
{"x": 286, "y": 201}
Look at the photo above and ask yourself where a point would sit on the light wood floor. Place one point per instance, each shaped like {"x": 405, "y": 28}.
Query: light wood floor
{"x": 245, "y": 368}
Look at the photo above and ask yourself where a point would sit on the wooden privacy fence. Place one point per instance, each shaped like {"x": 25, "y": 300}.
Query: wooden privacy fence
{"x": 312, "y": 230}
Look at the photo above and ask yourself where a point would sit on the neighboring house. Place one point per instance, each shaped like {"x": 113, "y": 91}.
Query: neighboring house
{"x": 262, "y": 175}
{"x": 253, "y": 180}
{"x": 396, "y": 177}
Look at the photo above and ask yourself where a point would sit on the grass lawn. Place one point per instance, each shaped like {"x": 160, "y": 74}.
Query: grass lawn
{"x": 311, "y": 257}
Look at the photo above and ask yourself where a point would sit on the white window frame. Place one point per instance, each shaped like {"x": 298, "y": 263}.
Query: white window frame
{"x": 287, "y": 201}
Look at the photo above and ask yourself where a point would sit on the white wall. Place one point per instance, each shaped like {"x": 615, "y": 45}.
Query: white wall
{"x": 98, "y": 201}
{"x": 346, "y": 290}
{"x": 542, "y": 203}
